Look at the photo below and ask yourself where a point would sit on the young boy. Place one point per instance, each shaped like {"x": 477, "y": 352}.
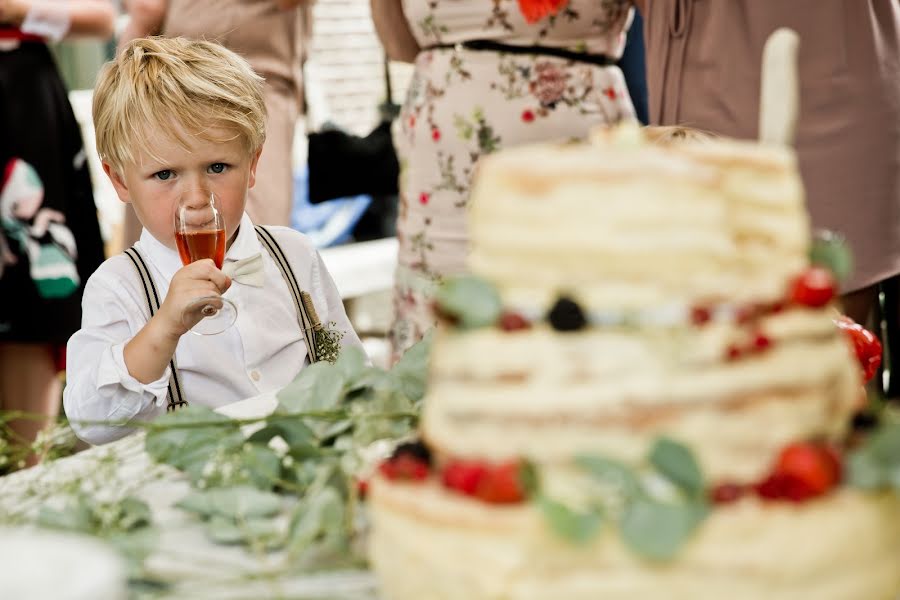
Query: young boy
{"x": 173, "y": 115}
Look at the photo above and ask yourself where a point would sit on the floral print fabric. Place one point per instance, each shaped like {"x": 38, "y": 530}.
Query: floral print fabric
{"x": 464, "y": 104}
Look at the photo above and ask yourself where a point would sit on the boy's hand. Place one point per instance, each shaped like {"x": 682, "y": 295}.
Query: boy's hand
{"x": 180, "y": 310}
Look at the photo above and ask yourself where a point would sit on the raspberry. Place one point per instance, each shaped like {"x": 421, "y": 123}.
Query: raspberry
{"x": 814, "y": 288}
{"x": 464, "y": 476}
{"x": 513, "y": 321}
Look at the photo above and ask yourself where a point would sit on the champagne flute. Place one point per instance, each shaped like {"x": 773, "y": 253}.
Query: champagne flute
{"x": 199, "y": 234}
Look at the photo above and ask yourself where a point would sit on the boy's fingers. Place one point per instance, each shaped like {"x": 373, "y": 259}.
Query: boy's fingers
{"x": 206, "y": 269}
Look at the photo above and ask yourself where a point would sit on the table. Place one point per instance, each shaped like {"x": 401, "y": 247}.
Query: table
{"x": 198, "y": 567}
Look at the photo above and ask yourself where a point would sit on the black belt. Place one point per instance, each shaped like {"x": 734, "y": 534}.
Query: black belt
{"x": 489, "y": 45}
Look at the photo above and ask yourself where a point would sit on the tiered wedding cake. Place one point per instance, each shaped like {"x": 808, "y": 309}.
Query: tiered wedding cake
{"x": 652, "y": 372}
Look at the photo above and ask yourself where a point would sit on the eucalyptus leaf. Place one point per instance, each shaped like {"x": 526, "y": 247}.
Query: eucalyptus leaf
{"x": 371, "y": 377}
{"x": 293, "y": 431}
{"x": 313, "y": 517}
{"x": 239, "y": 502}
{"x": 864, "y": 471}
{"x": 262, "y": 465}
{"x": 351, "y": 364}
{"x": 656, "y": 530}
{"x": 677, "y": 463}
{"x": 222, "y": 530}
{"x": 471, "y": 300}
{"x": 574, "y": 526}
{"x": 134, "y": 513}
{"x": 411, "y": 371}
{"x": 74, "y": 517}
{"x": 830, "y": 250}
{"x": 609, "y": 472}
{"x": 181, "y": 445}
{"x": 318, "y": 387}
{"x": 884, "y": 444}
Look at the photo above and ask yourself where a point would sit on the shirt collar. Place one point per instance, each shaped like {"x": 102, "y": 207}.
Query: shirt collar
{"x": 165, "y": 259}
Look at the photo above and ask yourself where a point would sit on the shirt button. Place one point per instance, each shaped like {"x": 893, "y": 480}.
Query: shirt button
{"x": 254, "y": 375}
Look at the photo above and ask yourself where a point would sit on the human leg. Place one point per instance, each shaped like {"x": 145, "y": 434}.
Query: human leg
{"x": 29, "y": 384}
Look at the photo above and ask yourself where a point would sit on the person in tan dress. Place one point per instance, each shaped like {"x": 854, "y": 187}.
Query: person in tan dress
{"x": 272, "y": 35}
{"x": 703, "y": 71}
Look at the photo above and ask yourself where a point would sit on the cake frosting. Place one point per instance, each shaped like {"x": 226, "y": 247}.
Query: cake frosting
{"x": 682, "y": 259}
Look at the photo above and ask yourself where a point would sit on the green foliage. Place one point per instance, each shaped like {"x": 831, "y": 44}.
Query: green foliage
{"x": 830, "y": 250}
{"x": 309, "y": 448}
{"x": 876, "y": 464}
{"x": 125, "y": 523}
{"x": 577, "y": 527}
{"x": 472, "y": 301}
{"x": 677, "y": 464}
{"x": 652, "y": 527}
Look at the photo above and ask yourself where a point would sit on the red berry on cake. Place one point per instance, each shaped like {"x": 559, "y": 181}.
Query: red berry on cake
{"x": 404, "y": 468}
{"x": 513, "y": 321}
{"x": 815, "y": 287}
{"x": 502, "y": 484}
{"x": 726, "y": 493}
{"x": 464, "y": 476}
{"x": 803, "y": 471}
{"x": 700, "y": 315}
{"x": 866, "y": 345}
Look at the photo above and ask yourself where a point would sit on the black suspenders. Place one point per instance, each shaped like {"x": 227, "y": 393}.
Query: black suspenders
{"x": 174, "y": 397}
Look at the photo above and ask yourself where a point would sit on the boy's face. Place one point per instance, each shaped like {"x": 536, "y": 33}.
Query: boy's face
{"x": 152, "y": 186}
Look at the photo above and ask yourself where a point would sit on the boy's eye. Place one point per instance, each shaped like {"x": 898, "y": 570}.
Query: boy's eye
{"x": 163, "y": 175}
{"x": 216, "y": 167}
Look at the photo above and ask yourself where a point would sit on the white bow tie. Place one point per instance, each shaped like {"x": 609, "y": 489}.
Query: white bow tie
{"x": 248, "y": 271}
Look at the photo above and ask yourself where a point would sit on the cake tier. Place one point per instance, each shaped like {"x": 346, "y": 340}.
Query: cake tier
{"x": 429, "y": 543}
{"x": 548, "y": 396}
{"x": 634, "y": 226}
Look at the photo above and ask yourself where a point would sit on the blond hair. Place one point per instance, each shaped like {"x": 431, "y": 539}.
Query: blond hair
{"x": 668, "y": 135}
{"x": 181, "y": 88}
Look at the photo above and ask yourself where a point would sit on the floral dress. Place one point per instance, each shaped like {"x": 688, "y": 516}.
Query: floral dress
{"x": 464, "y": 103}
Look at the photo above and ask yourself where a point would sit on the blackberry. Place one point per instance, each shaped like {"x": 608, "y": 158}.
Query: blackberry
{"x": 566, "y": 315}
{"x": 416, "y": 449}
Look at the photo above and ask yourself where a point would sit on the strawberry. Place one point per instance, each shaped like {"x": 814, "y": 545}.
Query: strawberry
{"x": 866, "y": 346}
{"x": 502, "y": 484}
{"x": 464, "y": 476}
{"x": 815, "y": 287}
{"x": 513, "y": 321}
{"x": 803, "y": 471}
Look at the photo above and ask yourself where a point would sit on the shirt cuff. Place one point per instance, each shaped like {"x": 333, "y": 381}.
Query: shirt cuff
{"x": 114, "y": 372}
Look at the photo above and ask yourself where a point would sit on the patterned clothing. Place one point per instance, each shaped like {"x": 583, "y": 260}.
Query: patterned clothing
{"x": 49, "y": 235}
{"x": 463, "y": 104}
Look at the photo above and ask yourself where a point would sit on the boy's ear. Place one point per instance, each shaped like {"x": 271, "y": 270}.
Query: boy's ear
{"x": 253, "y": 162}
{"x": 118, "y": 182}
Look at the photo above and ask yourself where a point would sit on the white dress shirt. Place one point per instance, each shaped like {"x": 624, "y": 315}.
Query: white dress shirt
{"x": 262, "y": 352}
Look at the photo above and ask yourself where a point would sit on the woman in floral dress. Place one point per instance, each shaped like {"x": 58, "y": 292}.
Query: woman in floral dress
{"x": 488, "y": 74}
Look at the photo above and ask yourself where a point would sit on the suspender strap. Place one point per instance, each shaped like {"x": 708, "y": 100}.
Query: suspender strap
{"x": 174, "y": 396}
{"x": 306, "y": 312}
